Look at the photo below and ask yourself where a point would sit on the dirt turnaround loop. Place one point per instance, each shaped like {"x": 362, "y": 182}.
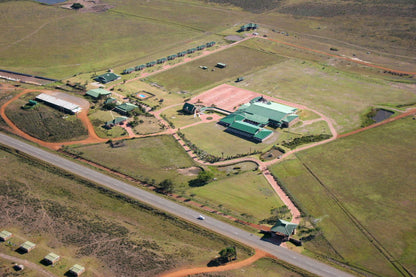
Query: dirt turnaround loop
{"x": 230, "y": 266}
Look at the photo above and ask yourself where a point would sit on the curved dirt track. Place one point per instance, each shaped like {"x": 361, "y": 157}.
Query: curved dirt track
{"x": 230, "y": 266}
{"x": 83, "y": 116}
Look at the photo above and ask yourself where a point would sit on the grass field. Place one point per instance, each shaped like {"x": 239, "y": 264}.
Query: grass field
{"x": 240, "y": 60}
{"x": 342, "y": 96}
{"x": 94, "y": 227}
{"x": 179, "y": 119}
{"x": 146, "y": 158}
{"x": 371, "y": 174}
{"x": 247, "y": 196}
{"x": 46, "y": 123}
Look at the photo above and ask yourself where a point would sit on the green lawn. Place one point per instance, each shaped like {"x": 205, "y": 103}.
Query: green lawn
{"x": 212, "y": 138}
{"x": 340, "y": 95}
{"x": 240, "y": 60}
{"x": 247, "y": 196}
{"x": 149, "y": 158}
{"x": 94, "y": 227}
{"x": 372, "y": 174}
{"x": 179, "y": 119}
{"x": 316, "y": 128}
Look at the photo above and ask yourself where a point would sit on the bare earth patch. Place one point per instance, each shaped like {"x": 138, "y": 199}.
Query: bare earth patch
{"x": 190, "y": 171}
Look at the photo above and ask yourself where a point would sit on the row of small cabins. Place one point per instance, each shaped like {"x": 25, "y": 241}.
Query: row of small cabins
{"x": 168, "y": 58}
{"x": 50, "y": 259}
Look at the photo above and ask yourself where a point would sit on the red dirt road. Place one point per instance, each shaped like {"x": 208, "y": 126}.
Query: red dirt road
{"x": 230, "y": 266}
{"x": 83, "y": 115}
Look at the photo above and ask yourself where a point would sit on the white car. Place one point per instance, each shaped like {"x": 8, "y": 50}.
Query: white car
{"x": 200, "y": 217}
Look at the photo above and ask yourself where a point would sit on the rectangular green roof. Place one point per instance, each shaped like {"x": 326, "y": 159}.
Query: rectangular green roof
{"x": 107, "y": 77}
{"x": 98, "y": 92}
{"x": 262, "y": 134}
{"x": 116, "y": 120}
{"x": 232, "y": 117}
{"x": 271, "y": 110}
{"x": 245, "y": 127}
{"x": 126, "y": 107}
{"x": 290, "y": 118}
{"x": 284, "y": 227}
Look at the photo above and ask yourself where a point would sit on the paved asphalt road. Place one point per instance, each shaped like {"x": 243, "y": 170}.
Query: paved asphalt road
{"x": 188, "y": 214}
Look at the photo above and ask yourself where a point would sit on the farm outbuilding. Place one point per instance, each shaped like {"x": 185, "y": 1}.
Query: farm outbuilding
{"x": 150, "y": 64}
{"x": 125, "y": 108}
{"x": 116, "y": 121}
{"x": 284, "y": 228}
{"x": 191, "y": 50}
{"x": 128, "y": 70}
{"x": 59, "y": 103}
{"x": 221, "y": 65}
{"x": 5, "y": 235}
{"x": 98, "y": 93}
{"x": 188, "y": 108}
{"x": 248, "y": 27}
{"x": 51, "y": 258}
{"x": 76, "y": 270}
{"x": 27, "y": 246}
{"x": 140, "y": 67}
{"x": 201, "y": 47}
{"x": 210, "y": 44}
{"x": 107, "y": 77}
{"x": 181, "y": 54}
{"x": 162, "y": 60}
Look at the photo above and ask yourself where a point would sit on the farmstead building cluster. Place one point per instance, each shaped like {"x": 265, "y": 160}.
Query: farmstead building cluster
{"x": 251, "y": 118}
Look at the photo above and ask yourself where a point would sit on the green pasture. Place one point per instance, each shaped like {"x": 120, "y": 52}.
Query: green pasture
{"x": 99, "y": 118}
{"x": 46, "y": 123}
{"x": 178, "y": 118}
{"x": 212, "y": 138}
{"x": 343, "y": 97}
{"x": 315, "y": 128}
{"x": 240, "y": 61}
{"x": 94, "y": 227}
{"x": 150, "y": 125}
{"x": 71, "y": 42}
{"x": 148, "y": 158}
{"x": 247, "y": 196}
{"x": 371, "y": 174}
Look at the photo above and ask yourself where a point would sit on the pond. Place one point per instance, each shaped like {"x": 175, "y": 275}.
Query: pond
{"x": 50, "y": 1}
{"x": 382, "y": 115}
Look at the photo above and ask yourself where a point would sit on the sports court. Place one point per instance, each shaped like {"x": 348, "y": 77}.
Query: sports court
{"x": 225, "y": 96}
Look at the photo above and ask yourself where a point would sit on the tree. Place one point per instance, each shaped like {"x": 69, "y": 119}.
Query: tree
{"x": 77, "y": 6}
{"x": 228, "y": 254}
{"x": 203, "y": 178}
{"x": 166, "y": 186}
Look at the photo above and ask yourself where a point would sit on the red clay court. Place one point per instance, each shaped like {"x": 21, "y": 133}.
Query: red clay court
{"x": 225, "y": 96}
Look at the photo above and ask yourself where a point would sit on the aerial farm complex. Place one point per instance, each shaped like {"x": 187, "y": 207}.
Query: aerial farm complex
{"x": 194, "y": 138}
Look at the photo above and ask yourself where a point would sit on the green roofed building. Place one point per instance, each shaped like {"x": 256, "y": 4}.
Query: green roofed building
{"x": 125, "y": 108}
{"x": 76, "y": 270}
{"x": 189, "y": 108}
{"x": 284, "y": 228}
{"x": 257, "y": 114}
{"x": 98, "y": 93}
{"x": 107, "y": 77}
{"x": 115, "y": 121}
{"x": 5, "y": 235}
